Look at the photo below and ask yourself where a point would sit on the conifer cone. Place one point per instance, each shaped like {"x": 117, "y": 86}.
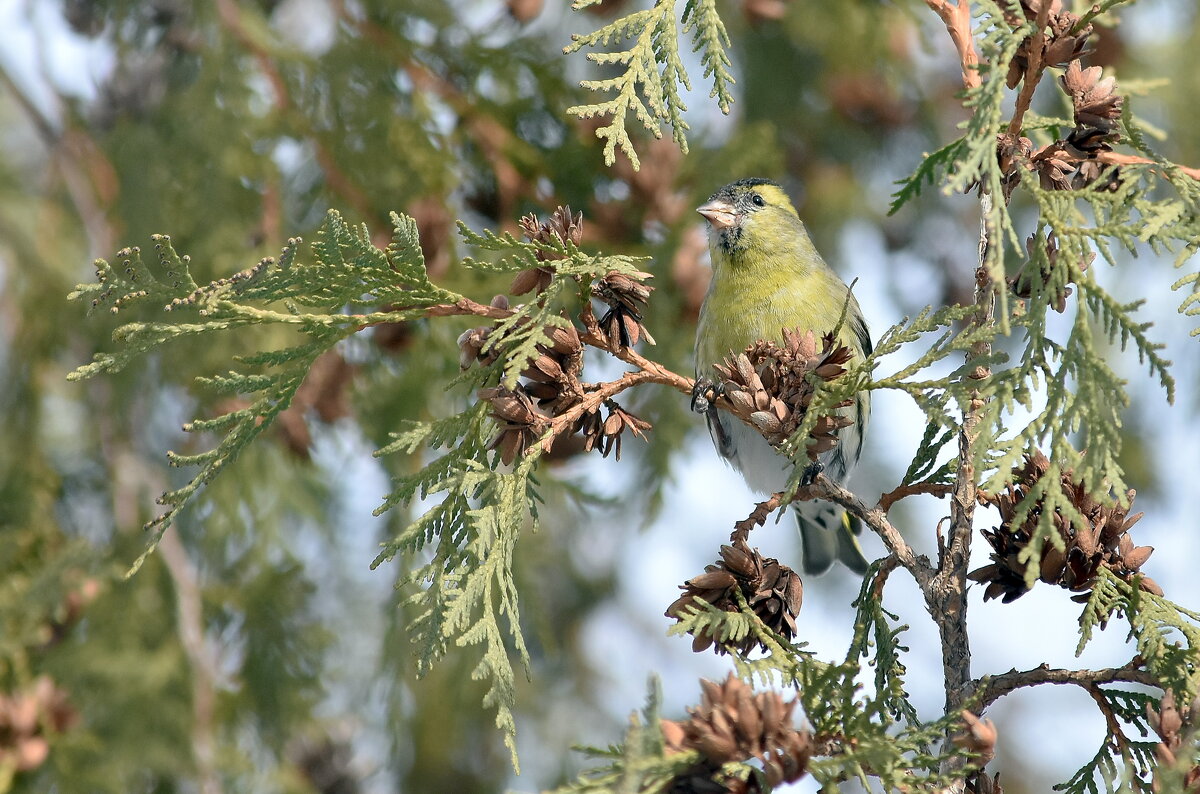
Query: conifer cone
{"x": 1103, "y": 542}
{"x": 734, "y": 723}
{"x": 26, "y": 717}
{"x": 1060, "y": 44}
{"x": 1175, "y": 728}
{"x": 562, "y": 227}
{"x": 1022, "y": 283}
{"x": 626, "y": 298}
{"x": 773, "y": 590}
{"x": 605, "y": 435}
{"x": 768, "y": 386}
{"x": 521, "y": 425}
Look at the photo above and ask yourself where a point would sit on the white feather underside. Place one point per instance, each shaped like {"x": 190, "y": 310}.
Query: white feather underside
{"x": 824, "y": 536}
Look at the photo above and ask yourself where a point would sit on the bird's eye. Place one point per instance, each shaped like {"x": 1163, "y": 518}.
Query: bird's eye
{"x": 758, "y": 200}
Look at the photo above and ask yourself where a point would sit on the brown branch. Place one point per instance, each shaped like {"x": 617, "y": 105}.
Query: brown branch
{"x": 1034, "y": 68}
{"x": 889, "y": 564}
{"x": 946, "y": 594}
{"x": 875, "y": 518}
{"x": 1116, "y": 158}
{"x": 757, "y": 517}
{"x": 1110, "y": 719}
{"x": 201, "y": 659}
{"x": 938, "y": 489}
{"x": 655, "y": 373}
{"x": 646, "y": 370}
{"x": 465, "y": 306}
{"x": 989, "y": 689}
{"x": 957, "y": 18}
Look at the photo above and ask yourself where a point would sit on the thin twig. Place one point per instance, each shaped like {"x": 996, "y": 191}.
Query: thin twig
{"x": 957, "y": 18}
{"x": 1033, "y": 69}
{"x": 757, "y": 517}
{"x": 565, "y": 421}
{"x": 1117, "y": 158}
{"x": 647, "y": 371}
{"x": 989, "y": 689}
{"x": 875, "y": 518}
{"x": 201, "y": 659}
{"x": 889, "y": 564}
{"x": 1110, "y": 719}
{"x": 938, "y": 489}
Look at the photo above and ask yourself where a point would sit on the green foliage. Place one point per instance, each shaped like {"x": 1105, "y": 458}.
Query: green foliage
{"x": 1167, "y": 637}
{"x": 873, "y": 630}
{"x": 347, "y": 271}
{"x": 516, "y": 338}
{"x": 1167, "y": 634}
{"x": 638, "y": 763}
{"x": 482, "y": 129}
{"x": 932, "y": 166}
{"x": 1138, "y": 758}
{"x": 1066, "y": 391}
{"x": 710, "y": 39}
{"x": 652, "y": 71}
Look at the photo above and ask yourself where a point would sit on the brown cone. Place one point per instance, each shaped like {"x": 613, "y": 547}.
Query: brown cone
{"x": 768, "y": 386}
{"x": 1101, "y": 542}
{"x": 773, "y": 590}
{"x": 734, "y": 723}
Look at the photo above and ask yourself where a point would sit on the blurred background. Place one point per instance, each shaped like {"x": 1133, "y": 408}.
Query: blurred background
{"x": 256, "y": 651}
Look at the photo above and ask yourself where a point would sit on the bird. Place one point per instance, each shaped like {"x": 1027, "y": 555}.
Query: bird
{"x": 767, "y": 276}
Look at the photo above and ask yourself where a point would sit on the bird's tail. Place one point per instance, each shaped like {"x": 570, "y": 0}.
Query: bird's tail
{"x": 827, "y": 535}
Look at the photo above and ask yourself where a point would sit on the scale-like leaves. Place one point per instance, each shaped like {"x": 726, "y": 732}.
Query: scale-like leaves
{"x": 651, "y": 71}
{"x": 347, "y": 273}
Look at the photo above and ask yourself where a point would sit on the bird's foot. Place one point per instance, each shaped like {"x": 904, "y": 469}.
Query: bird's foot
{"x": 704, "y": 394}
{"x": 811, "y": 473}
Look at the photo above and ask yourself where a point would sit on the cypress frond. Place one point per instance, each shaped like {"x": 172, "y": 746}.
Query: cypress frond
{"x": 649, "y": 86}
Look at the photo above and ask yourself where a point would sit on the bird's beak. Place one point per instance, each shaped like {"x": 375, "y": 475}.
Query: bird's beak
{"x": 719, "y": 213}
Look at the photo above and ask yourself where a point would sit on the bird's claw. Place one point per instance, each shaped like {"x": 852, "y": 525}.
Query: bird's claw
{"x": 811, "y": 472}
{"x": 704, "y": 394}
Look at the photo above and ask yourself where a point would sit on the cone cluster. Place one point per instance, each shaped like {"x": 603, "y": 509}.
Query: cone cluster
{"x": 1072, "y": 162}
{"x": 24, "y": 719}
{"x": 1177, "y": 730}
{"x": 1022, "y": 284}
{"x": 626, "y": 298}
{"x": 562, "y": 228}
{"x": 768, "y": 386}
{"x": 551, "y": 385}
{"x": 1061, "y": 43}
{"x": 734, "y": 723}
{"x": 773, "y": 590}
{"x": 1103, "y": 541}
{"x": 606, "y": 435}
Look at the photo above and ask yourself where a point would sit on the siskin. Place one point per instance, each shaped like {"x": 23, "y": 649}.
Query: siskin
{"x": 767, "y": 276}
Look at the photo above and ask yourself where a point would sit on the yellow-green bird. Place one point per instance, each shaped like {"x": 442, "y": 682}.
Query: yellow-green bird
{"x": 768, "y": 276}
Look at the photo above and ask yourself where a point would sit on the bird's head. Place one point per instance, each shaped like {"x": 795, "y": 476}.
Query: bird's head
{"x": 747, "y": 213}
